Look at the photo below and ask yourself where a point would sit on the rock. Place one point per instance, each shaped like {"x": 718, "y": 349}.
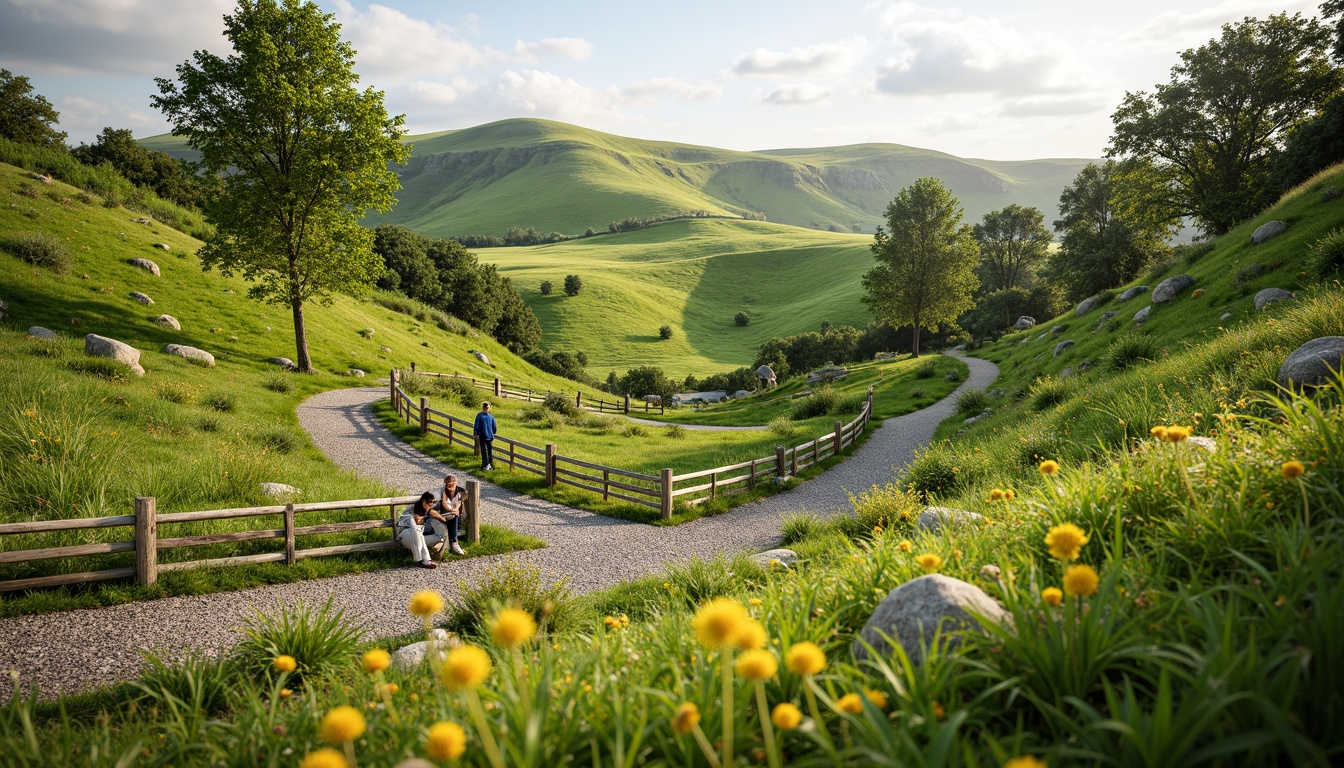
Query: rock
{"x": 1171, "y": 288}
{"x": 1042, "y": 335}
{"x": 1023, "y": 323}
{"x": 1102, "y": 320}
{"x": 191, "y": 353}
{"x": 276, "y": 490}
{"x": 101, "y": 346}
{"x": 1066, "y": 373}
{"x": 1024, "y": 341}
{"x": 921, "y": 609}
{"x": 1083, "y": 366}
{"x": 283, "y": 362}
{"x": 774, "y": 558}
{"x": 409, "y": 658}
{"x": 1267, "y": 231}
{"x": 146, "y": 265}
{"x": 481, "y": 356}
{"x": 1197, "y": 293}
{"x": 1063, "y": 345}
{"x": 1086, "y": 306}
{"x": 1225, "y": 315}
{"x": 357, "y": 373}
{"x": 766, "y": 374}
{"x": 1142, "y": 315}
{"x": 1057, "y": 330}
{"x": 1132, "y": 292}
{"x": 1310, "y": 365}
{"x": 38, "y": 332}
{"x": 1203, "y": 443}
{"x": 741, "y": 393}
{"x": 162, "y": 246}
{"x": 979, "y": 416}
{"x": 932, "y": 519}
{"x": 142, "y": 298}
{"x": 384, "y": 348}
{"x": 827, "y": 373}
{"x": 168, "y": 321}
{"x": 1271, "y": 295}
{"x": 142, "y": 220}
{"x": 42, "y": 177}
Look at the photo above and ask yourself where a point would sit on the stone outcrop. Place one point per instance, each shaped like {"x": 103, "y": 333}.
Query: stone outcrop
{"x": 1267, "y": 231}
{"x": 101, "y": 346}
{"x": 924, "y": 609}
{"x": 933, "y": 519}
{"x": 1102, "y": 320}
{"x": 169, "y": 322}
{"x": 279, "y": 490}
{"x": 1062, "y": 346}
{"x": 1130, "y": 293}
{"x": 142, "y": 298}
{"x": 191, "y": 353}
{"x": 146, "y": 265}
{"x": 283, "y": 362}
{"x": 1311, "y": 364}
{"x": 775, "y": 558}
{"x": 1023, "y": 323}
{"x": 1270, "y": 295}
{"x": 1142, "y": 315}
{"x": 1086, "y": 306}
{"x": 38, "y": 332}
{"x": 1171, "y": 288}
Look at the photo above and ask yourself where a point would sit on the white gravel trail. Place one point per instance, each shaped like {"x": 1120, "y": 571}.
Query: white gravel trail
{"x": 80, "y": 649}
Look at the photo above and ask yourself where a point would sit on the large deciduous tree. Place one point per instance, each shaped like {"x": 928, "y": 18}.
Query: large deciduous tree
{"x": 27, "y": 117}
{"x": 925, "y": 273}
{"x": 1013, "y": 241}
{"x": 1212, "y": 131}
{"x": 304, "y": 155}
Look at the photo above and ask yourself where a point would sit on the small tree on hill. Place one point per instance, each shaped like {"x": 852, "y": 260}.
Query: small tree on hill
{"x": 26, "y": 117}
{"x": 1013, "y": 241}
{"x": 742, "y": 318}
{"x": 545, "y": 287}
{"x": 665, "y": 332}
{"x": 573, "y": 284}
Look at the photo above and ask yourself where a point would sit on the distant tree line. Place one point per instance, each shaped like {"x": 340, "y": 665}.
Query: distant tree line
{"x": 517, "y": 236}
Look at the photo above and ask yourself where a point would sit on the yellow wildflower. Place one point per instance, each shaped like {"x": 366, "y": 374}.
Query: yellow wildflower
{"x": 426, "y": 603}
{"x": 1049, "y": 467}
{"x": 376, "y": 660}
{"x": 876, "y": 698}
{"x": 805, "y": 659}
{"x": 1291, "y": 469}
{"x": 445, "y": 741}
{"x": 905, "y": 545}
{"x": 1008, "y": 494}
{"x": 996, "y": 494}
{"x": 850, "y": 703}
{"x": 686, "y": 717}
{"x": 284, "y": 663}
{"x": 719, "y": 622}
{"x": 1065, "y": 541}
{"x": 938, "y": 711}
{"x": 512, "y": 626}
{"x": 1080, "y": 581}
{"x": 751, "y": 635}
{"x": 325, "y": 757}
{"x": 1026, "y": 761}
{"x": 1052, "y": 596}
{"x": 786, "y": 716}
{"x": 285, "y": 693}
{"x": 757, "y": 664}
{"x": 342, "y": 724}
{"x": 929, "y": 562}
{"x": 466, "y": 666}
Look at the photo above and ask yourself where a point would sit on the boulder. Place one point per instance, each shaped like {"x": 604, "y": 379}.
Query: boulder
{"x": 142, "y": 298}
{"x": 1171, "y": 288}
{"x": 922, "y": 609}
{"x": 278, "y": 490}
{"x": 384, "y": 348}
{"x": 1102, "y": 320}
{"x": 1130, "y": 293}
{"x": 1270, "y": 295}
{"x": 1083, "y": 366}
{"x": 191, "y": 353}
{"x": 146, "y": 265}
{"x": 983, "y": 414}
{"x": 1310, "y": 365}
{"x": 481, "y": 356}
{"x": 409, "y": 658}
{"x": 827, "y": 373}
{"x": 932, "y": 519}
{"x": 1023, "y": 323}
{"x": 767, "y": 376}
{"x": 1057, "y": 330}
{"x": 283, "y": 362}
{"x": 1225, "y": 316}
{"x": 1067, "y": 372}
{"x": 741, "y": 393}
{"x": 142, "y": 220}
{"x": 1267, "y": 231}
{"x": 101, "y": 346}
{"x": 169, "y": 322}
{"x": 38, "y": 332}
{"x": 775, "y": 557}
{"x": 1063, "y": 345}
{"x": 1142, "y": 315}
{"x": 1202, "y": 443}
{"x": 1086, "y": 306}
{"x": 357, "y": 373}
{"x": 162, "y": 246}
{"x": 1042, "y": 335}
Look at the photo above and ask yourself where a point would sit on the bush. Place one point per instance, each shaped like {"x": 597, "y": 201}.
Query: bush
{"x": 884, "y": 507}
{"x": 851, "y": 404}
{"x": 819, "y": 403}
{"x": 546, "y": 288}
{"x": 511, "y": 583}
{"x": 276, "y": 440}
{"x": 973, "y": 401}
{"x": 40, "y": 249}
{"x": 798, "y": 526}
{"x": 175, "y": 392}
{"x": 781, "y": 426}
{"x": 953, "y": 376}
{"x": 560, "y": 403}
{"x": 675, "y": 431}
{"x": 934, "y": 470}
{"x": 665, "y": 332}
{"x": 634, "y": 430}
{"x": 741, "y": 318}
{"x": 532, "y": 413}
{"x": 277, "y": 382}
{"x": 196, "y": 684}
{"x": 1327, "y": 256}
{"x": 926, "y": 369}
{"x": 321, "y": 641}
{"x": 699, "y": 581}
{"x": 1048, "y": 393}
{"x": 573, "y": 284}
{"x": 1125, "y": 351}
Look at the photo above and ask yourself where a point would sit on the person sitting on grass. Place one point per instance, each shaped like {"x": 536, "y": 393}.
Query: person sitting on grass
{"x": 410, "y": 529}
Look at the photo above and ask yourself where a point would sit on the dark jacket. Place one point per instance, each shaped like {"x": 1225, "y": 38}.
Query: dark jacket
{"x": 485, "y": 426}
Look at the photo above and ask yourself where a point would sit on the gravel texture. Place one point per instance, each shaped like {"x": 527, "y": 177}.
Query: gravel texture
{"x": 80, "y": 649}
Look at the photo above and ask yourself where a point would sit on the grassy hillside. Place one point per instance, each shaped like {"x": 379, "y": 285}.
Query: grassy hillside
{"x": 560, "y": 177}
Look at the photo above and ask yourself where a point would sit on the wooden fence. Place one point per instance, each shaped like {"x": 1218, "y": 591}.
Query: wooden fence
{"x": 587, "y": 403}
{"x": 661, "y": 491}
{"x": 146, "y": 541}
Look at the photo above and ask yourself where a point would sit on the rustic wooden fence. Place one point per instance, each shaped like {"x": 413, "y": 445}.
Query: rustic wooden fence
{"x": 585, "y": 402}
{"x": 146, "y": 541}
{"x": 661, "y": 491}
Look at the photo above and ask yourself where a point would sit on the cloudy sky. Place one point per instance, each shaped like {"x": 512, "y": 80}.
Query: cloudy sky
{"x": 1002, "y": 79}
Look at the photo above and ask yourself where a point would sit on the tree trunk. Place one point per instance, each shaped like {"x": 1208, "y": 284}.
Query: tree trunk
{"x": 915, "y": 343}
{"x": 302, "y": 360}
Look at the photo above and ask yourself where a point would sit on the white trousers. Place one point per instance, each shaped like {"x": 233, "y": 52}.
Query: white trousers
{"x": 414, "y": 538}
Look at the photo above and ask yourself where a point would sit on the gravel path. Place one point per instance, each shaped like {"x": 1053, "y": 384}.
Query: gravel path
{"x": 80, "y": 649}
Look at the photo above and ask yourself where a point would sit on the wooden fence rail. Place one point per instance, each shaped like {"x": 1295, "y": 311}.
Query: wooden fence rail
{"x": 581, "y": 401}
{"x": 658, "y": 492}
{"x": 146, "y": 541}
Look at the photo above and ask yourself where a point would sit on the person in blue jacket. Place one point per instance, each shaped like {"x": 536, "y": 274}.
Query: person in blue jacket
{"x": 484, "y": 430}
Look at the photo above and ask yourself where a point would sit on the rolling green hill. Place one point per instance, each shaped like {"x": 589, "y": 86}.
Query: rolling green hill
{"x": 560, "y": 177}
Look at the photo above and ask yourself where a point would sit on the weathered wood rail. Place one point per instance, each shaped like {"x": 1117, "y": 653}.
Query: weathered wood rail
{"x": 582, "y": 401}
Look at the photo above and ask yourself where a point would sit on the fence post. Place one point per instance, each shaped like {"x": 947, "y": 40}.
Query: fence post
{"x": 665, "y": 502}
{"x": 838, "y": 429}
{"x": 146, "y": 541}
{"x": 424, "y": 416}
{"x": 606, "y": 484}
{"x": 550, "y": 464}
{"x": 781, "y": 469}
{"x": 473, "y": 505}
{"x": 578, "y": 400}
{"x": 499, "y": 388}
{"x": 412, "y": 366}
{"x": 627, "y": 405}
{"x": 289, "y": 535}
{"x": 392, "y": 386}
{"x": 476, "y": 442}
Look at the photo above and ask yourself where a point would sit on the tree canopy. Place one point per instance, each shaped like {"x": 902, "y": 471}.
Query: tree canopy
{"x": 303, "y": 154}
{"x": 1211, "y": 132}
{"x": 169, "y": 178}
{"x": 1013, "y": 240}
{"x": 27, "y": 117}
{"x": 925, "y": 273}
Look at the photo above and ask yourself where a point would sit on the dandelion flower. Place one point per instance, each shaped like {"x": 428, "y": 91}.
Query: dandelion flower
{"x": 1065, "y": 541}
{"x": 512, "y": 626}
{"x": 1052, "y": 596}
{"x": 938, "y": 710}
{"x": 876, "y": 698}
{"x": 1049, "y": 467}
{"x": 686, "y": 717}
{"x": 1008, "y": 494}
{"x": 611, "y": 622}
{"x": 996, "y": 494}
{"x": 719, "y": 622}
{"x": 786, "y": 716}
{"x": 1026, "y": 761}
{"x": 757, "y": 664}
{"x": 342, "y": 724}
{"x": 325, "y": 757}
{"x": 445, "y": 741}
{"x": 1175, "y": 434}
{"x": 1291, "y": 469}
{"x": 285, "y": 693}
{"x": 376, "y": 660}
{"x": 1080, "y": 581}
{"x": 284, "y": 663}
{"x": 929, "y": 562}
{"x": 426, "y": 603}
{"x": 755, "y": 602}
{"x": 850, "y": 703}
{"x": 751, "y": 635}
{"x": 805, "y": 659}
{"x": 466, "y": 666}
{"x": 905, "y": 545}
{"x": 1160, "y": 432}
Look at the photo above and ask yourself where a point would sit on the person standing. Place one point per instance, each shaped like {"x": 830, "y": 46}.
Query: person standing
{"x": 484, "y": 430}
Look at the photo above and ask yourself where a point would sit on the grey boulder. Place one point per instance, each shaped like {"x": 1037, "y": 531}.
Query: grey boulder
{"x": 1266, "y": 231}
{"x": 922, "y": 609}
{"x": 1142, "y": 315}
{"x": 162, "y": 246}
{"x": 146, "y": 265}
{"x": 1102, "y": 320}
{"x": 1225, "y": 316}
{"x": 283, "y": 362}
{"x": 357, "y": 373}
{"x": 1023, "y": 323}
{"x": 191, "y": 353}
{"x": 1171, "y": 288}
{"x": 481, "y": 356}
{"x": 169, "y": 322}
{"x": 409, "y": 658}
{"x": 934, "y": 519}
{"x": 773, "y": 557}
{"x": 38, "y": 332}
{"x": 1311, "y": 364}
{"x": 1057, "y": 330}
{"x": 101, "y": 346}
{"x": 982, "y": 415}
{"x": 1086, "y": 306}
{"x": 142, "y": 298}
{"x": 1063, "y": 345}
{"x": 278, "y": 490}
{"x": 1132, "y": 292}
{"x": 1270, "y": 295}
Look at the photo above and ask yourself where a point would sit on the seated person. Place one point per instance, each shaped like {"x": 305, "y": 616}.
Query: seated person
{"x": 450, "y": 509}
{"x": 410, "y": 528}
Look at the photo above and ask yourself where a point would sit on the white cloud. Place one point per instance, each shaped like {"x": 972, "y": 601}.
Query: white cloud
{"x": 388, "y": 42}
{"x": 1179, "y": 30}
{"x": 432, "y": 92}
{"x": 575, "y": 48}
{"x": 545, "y": 94}
{"x": 649, "y": 92}
{"x": 1056, "y": 106}
{"x": 838, "y": 56}
{"x": 799, "y": 95}
{"x": 83, "y": 117}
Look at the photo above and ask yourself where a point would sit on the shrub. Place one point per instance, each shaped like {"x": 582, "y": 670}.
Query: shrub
{"x": 1104, "y": 298}
{"x": 603, "y": 424}
{"x": 224, "y": 403}
{"x": 675, "y": 431}
{"x": 101, "y": 367}
{"x": 40, "y": 249}
{"x": 511, "y": 583}
{"x": 916, "y": 394}
{"x": 532, "y": 413}
{"x": 665, "y": 332}
{"x": 573, "y": 284}
{"x": 934, "y": 470}
{"x": 546, "y": 287}
{"x": 851, "y": 404}
{"x": 277, "y": 382}
{"x": 321, "y": 641}
{"x": 797, "y": 527}
{"x": 882, "y": 507}
{"x": 926, "y": 369}
{"x": 1049, "y": 392}
{"x": 560, "y": 403}
{"x": 1327, "y": 256}
{"x": 781, "y": 426}
{"x": 553, "y": 420}
{"x": 953, "y": 376}
{"x": 196, "y": 684}
{"x": 1125, "y": 351}
{"x": 699, "y": 581}
{"x": 634, "y": 430}
{"x": 741, "y": 318}
{"x": 276, "y": 440}
{"x": 972, "y": 401}
{"x": 819, "y": 403}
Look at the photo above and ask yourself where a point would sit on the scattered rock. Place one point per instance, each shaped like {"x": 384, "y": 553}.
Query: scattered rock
{"x": 38, "y": 332}
{"x": 1225, "y": 315}
{"x": 827, "y": 373}
{"x": 741, "y": 393}
{"x": 142, "y": 298}
{"x": 1063, "y": 345}
{"x": 1042, "y": 335}
{"x": 1142, "y": 315}
{"x": 191, "y": 353}
{"x": 1083, "y": 366}
{"x": 357, "y": 373}
{"x": 146, "y": 265}
{"x": 932, "y": 519}
{"x": 169, "y": 322}
{"x": 42, "y": 178}
{"x": 1024, "y": 341}
{"x": 1203, "y": 443}
{"x": 979, "y": 416}
{"x": 775, "y": 557}
{"x": 1171, "y": 288}
{"x": 1309, "y": 365}
{"x": 481, "y": 356}
{"x": 1197, "y": 293}
{"x": 384, "y": 349}
{"x": 1102, "y": 320}
{"x": 1086, "y": 306}
{"x": 162, "y": 246}
{"x": 1057, "y": 330}
{"x": 283, "y": 362}
{"x": 101, "y": 346}
{"x": 922, "y": 609}
{"x": 1023, "y": 323}
{"x": 84, "y": 276}
{"x": 1130, "y": 293}
{"x": 1267, "y": 231}
{"x": 276, "y": 490}
{"x": 141, "y": 220}
{"x": 1271, "y": 295}
{"x": 1066, "y": 373}
{"x": 409, "y": 658}
{"x": 766, "y": 375}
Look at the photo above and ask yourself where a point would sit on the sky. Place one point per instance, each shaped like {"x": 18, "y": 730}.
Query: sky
{"x": 997, "y": 79}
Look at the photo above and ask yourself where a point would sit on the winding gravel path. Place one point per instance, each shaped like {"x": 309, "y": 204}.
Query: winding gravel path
{"x": 80, "y": 649}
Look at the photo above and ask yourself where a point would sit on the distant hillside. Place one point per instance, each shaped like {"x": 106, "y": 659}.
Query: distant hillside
{"x": 559, "y": 177}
